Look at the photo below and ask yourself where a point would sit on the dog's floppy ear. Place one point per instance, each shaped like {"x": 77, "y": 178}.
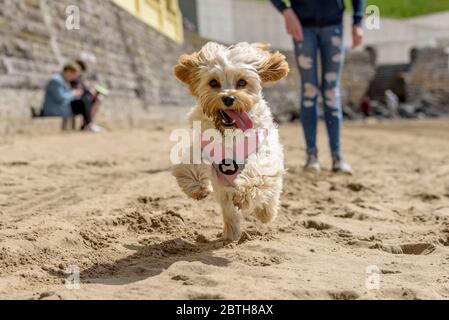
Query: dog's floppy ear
{"x": 185, "y": 70}
{"x": 188, "y": 67}
{"x": 274, "y": 68}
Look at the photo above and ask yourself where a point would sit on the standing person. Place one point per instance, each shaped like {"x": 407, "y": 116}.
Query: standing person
{"x": 317, "y": 25}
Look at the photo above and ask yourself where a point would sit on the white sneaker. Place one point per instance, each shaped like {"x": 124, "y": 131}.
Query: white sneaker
{"x": 312, "y": 164}
{"x": 339, "y": 165}
{"x": 94, "y": 129}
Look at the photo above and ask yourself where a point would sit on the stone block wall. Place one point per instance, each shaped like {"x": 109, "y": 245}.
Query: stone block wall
{"x": 429, "y": 75}
{"x": 132, "y": 59}
{"x": 357, "y": 75}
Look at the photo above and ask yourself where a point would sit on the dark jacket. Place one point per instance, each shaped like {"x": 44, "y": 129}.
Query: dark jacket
{"x": 322, "y": 13}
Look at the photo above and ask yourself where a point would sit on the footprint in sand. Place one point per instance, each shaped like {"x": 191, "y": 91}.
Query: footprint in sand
{"x": 257, "y": 259}
{"x": 353, "y": 215}
{"x": 94, "y": 239}
{"x": 201, "y": 238}
{"x": 197, "y": 281}
{"x": 418, "y": 248}
{"x": 387, "y": 271}
{"x": 426, "y": 197}
{"x": 261, "y": 261}
{"x": 17, "y": 164}
{"x": 344, "y": 295}
{"x": 355, "y": 187}
{"x": 50, "y": 295}
{"x": 445, "y": 241}
{"x": 206, "y": 296}
{"x": 318, "y": 225}
{"x": 180, "y": 277}
{"x": 142, "y": 223}
{"x": 100, "y": 164}
{"x": 411, "y": 249}
{"x": 251, "y": 235}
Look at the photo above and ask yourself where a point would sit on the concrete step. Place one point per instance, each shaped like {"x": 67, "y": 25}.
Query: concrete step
{"x": 37, "y": 125}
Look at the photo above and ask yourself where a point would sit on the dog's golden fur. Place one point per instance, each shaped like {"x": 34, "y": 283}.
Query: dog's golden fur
{"x": 259, "y": 185}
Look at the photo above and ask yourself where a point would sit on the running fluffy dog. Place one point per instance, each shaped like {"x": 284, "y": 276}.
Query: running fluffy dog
{"x": 227, "y": 83}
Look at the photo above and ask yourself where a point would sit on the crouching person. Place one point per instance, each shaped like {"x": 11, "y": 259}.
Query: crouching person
{"x": 91, "y": 99}
{"x": 59, "y": 97}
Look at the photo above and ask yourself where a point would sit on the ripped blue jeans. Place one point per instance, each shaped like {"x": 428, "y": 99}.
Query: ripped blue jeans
{"x": 328, "y": 41}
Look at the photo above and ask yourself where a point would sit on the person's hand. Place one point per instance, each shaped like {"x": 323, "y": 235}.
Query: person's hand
{"x": 357, "y": 36}
{"x": 77, "y": 93}
{"x": 293, "y": 25}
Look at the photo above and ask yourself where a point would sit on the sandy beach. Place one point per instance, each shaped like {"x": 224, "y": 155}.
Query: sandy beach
{"x": 106, "y": 205}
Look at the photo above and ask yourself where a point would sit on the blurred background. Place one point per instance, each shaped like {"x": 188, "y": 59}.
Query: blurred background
{"x": 132, "y": 45}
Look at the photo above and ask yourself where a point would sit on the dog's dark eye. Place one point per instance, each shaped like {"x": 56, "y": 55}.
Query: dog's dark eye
{"x": 214, "y": 84}
{"x": 242, "y": 83}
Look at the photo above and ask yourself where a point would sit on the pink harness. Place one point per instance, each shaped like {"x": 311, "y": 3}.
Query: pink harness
{"x": 229, "y": 163}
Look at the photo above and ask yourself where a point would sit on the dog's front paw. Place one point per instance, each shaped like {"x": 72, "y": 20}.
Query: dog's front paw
{"x": 242, "y": 199}
{"x": 199, "y": 192}
{"x": 193, "y": 180}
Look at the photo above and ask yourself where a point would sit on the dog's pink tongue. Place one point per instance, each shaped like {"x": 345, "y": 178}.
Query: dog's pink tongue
{"x": 242, "y": 120}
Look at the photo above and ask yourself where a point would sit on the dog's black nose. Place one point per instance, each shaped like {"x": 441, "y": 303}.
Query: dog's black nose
{"x": 228, "y": 101}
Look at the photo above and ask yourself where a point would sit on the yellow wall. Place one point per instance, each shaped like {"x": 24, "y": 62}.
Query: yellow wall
{"x": 163, "y": 15}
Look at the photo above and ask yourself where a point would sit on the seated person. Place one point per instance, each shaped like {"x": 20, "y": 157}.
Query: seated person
{"x": 59, "y": 97}
{"x": 58, "y": 94}
{"x": 91, "y": 99}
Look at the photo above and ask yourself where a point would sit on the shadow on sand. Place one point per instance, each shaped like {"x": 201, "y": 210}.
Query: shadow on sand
{"x": 149, "y": 261}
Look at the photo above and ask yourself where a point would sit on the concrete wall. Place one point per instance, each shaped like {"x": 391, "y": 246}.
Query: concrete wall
{"x": 190, "y": 12}
{"x": 215, "y": 20}
{"x": 232, "y": 21}
{"x": 395, "y": 38}
{"x": 358, "y": 73}
{"x": 260, "y": 22}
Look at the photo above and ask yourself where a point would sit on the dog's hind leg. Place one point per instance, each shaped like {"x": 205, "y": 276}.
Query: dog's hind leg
{"x": 231, "y": 217}
{"x": 193, "y": 179}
